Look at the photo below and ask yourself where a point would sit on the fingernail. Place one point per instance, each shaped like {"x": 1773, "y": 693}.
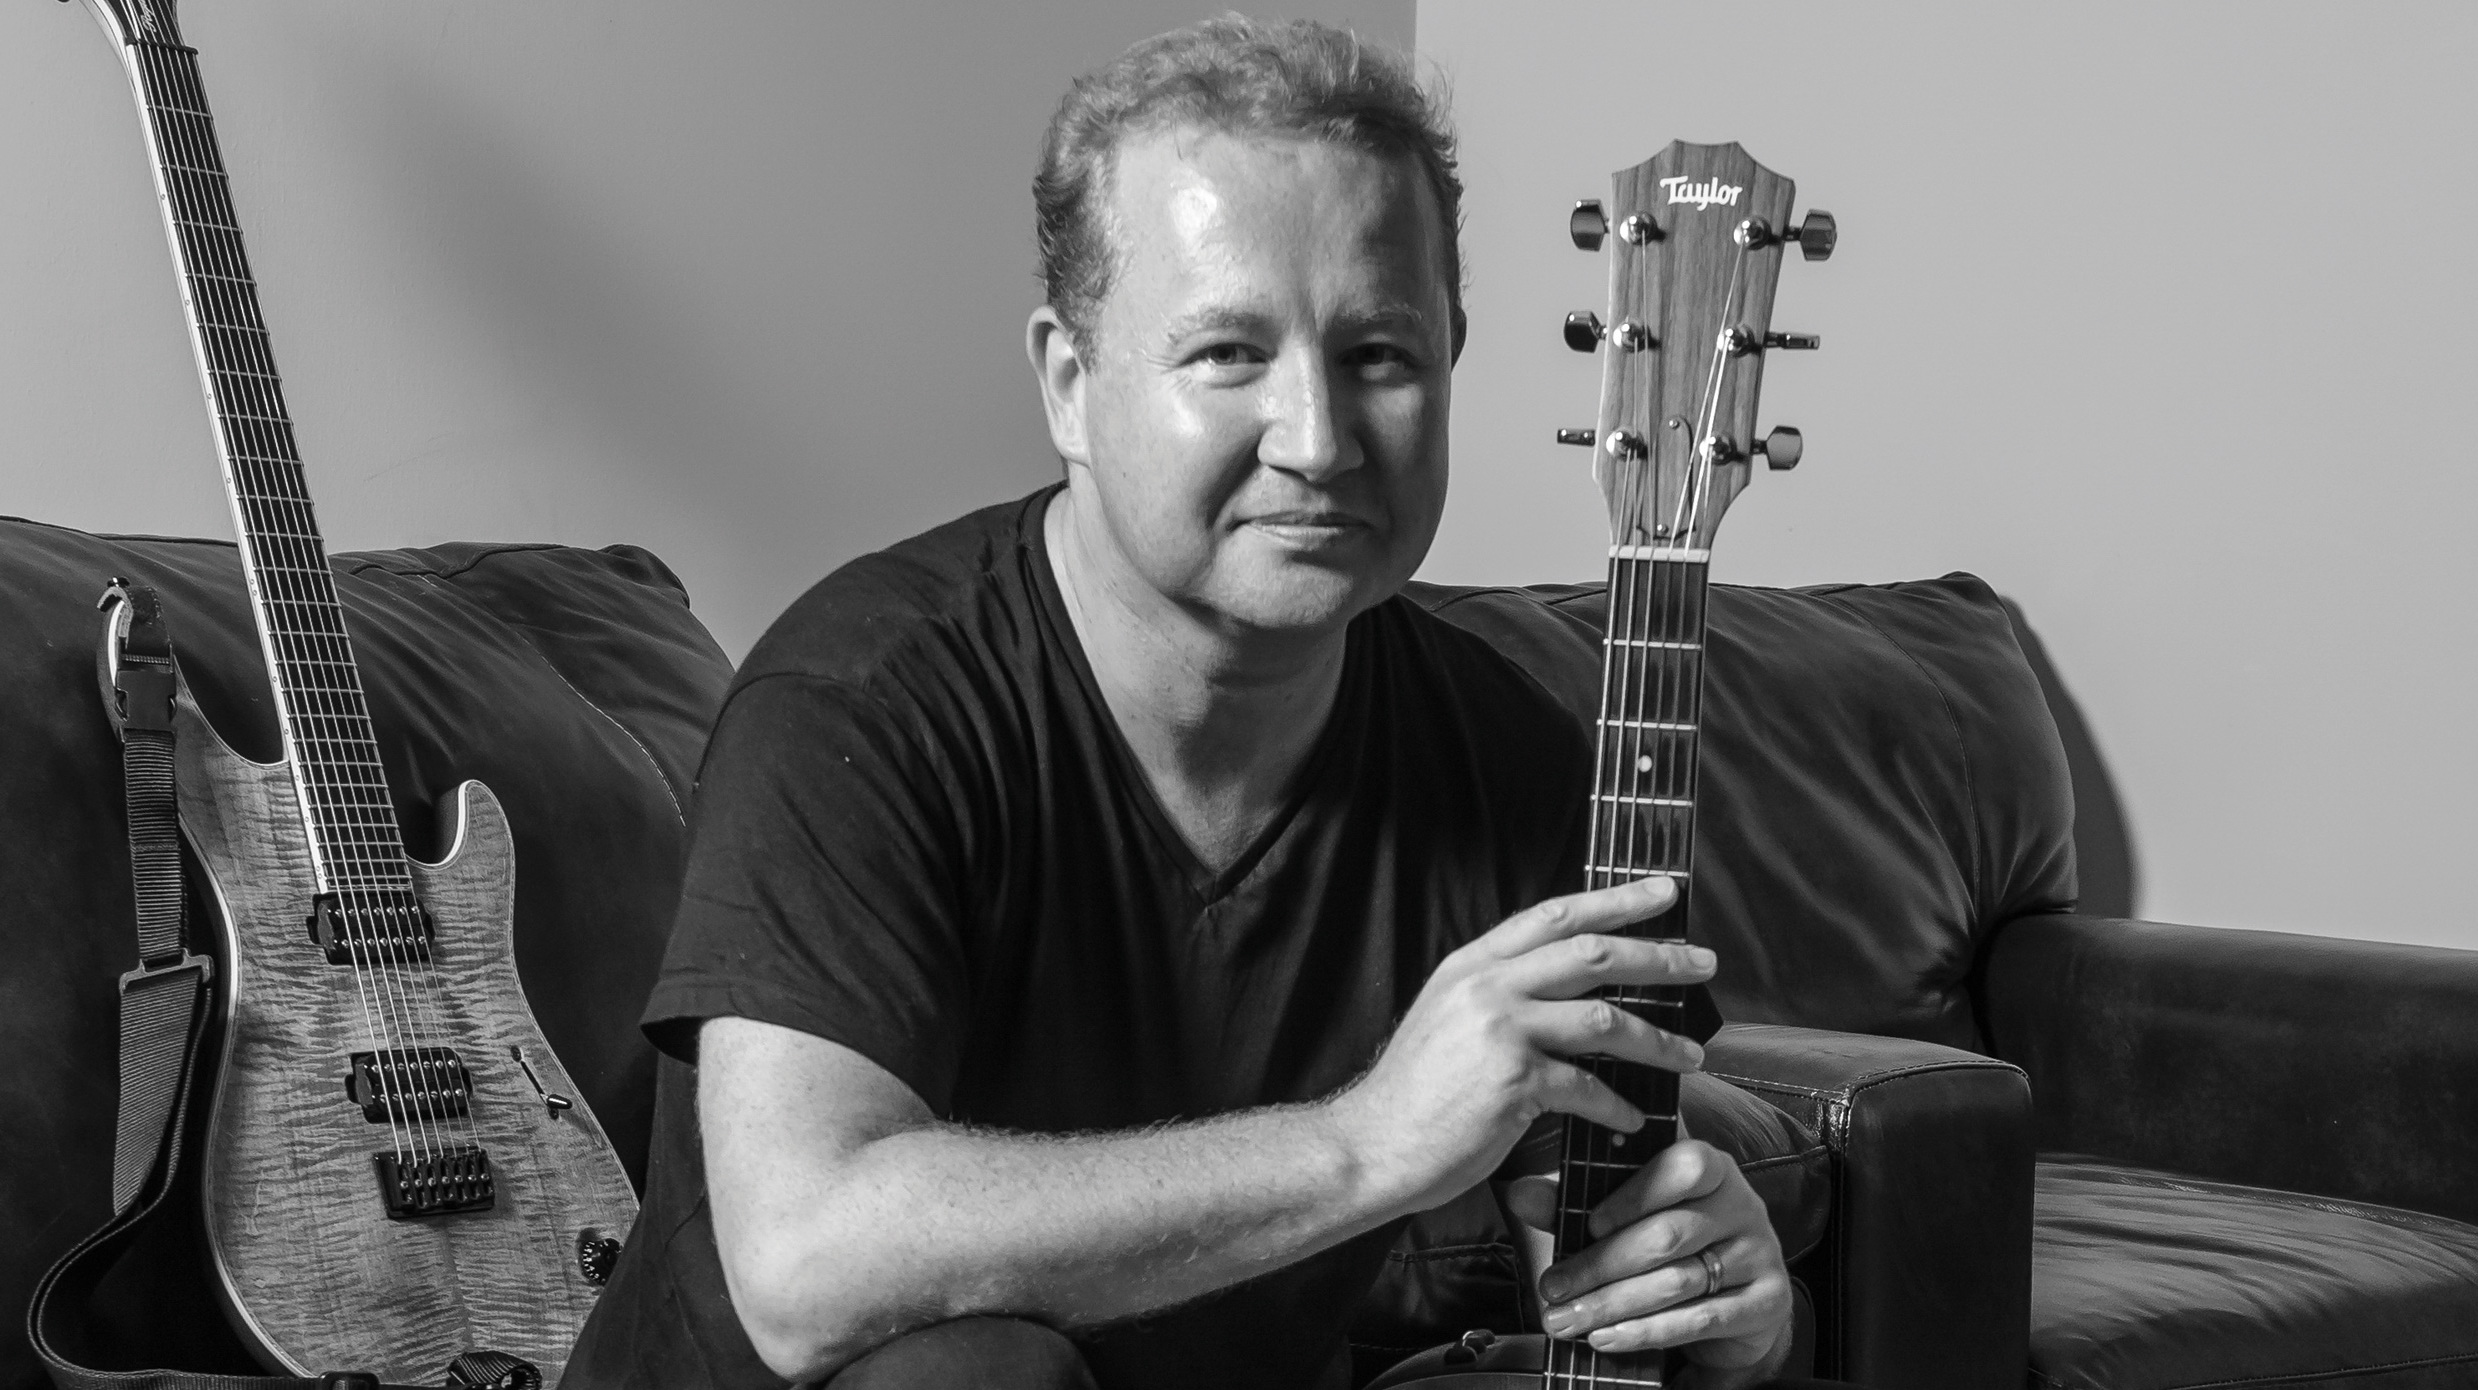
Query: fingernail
{"x": 1701, "y": 958}
{"x": 1554, "y": 1290}
{"x": 1559, "y": 1321}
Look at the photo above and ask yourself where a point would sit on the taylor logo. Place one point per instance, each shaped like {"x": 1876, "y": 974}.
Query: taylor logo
{"x": 1702, "y": 195}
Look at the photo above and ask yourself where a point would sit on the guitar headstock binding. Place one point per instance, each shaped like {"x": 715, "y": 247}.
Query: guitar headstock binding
{"x": 131, "y": 22}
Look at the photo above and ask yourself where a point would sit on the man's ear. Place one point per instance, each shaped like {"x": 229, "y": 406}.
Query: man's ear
{"x": 1059, "y": 365}
{"x": 1459, "y": 325}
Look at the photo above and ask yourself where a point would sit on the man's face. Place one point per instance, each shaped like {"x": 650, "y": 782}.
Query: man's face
{"x": 1265, "y": 428}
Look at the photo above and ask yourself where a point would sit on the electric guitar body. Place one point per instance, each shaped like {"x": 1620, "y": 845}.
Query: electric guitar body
{"x": 397, "y": 1171}
{"x": 314, "y": 1274}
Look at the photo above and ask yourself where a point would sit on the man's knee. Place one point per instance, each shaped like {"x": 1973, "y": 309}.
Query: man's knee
{"x": 996, "y": 1353}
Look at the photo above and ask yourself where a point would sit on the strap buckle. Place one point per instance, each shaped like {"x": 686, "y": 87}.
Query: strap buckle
{"x": 162, "y": 968}
{"x": 134, "y": 662}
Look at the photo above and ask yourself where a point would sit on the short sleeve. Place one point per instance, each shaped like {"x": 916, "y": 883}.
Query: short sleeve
{"x": 825, "y": 884}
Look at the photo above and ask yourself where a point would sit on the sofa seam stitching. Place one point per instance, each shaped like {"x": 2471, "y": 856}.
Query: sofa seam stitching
{"x": 1869, "y": 1080}
{"x": 2461, "y": 1358}
{"x": 661, "y": 777}
{"x": 2397, "y": 1217}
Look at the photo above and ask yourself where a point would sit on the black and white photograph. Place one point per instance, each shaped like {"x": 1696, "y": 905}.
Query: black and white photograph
{"x": 1136, "y": 695}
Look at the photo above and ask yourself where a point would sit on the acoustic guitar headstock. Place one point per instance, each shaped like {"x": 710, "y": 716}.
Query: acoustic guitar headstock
{"x": 1696, "y": 236}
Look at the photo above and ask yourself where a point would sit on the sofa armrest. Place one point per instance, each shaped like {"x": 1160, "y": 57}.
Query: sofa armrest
{"x": 1925, "y": 1275}
{"x": 2343, "y": 1068}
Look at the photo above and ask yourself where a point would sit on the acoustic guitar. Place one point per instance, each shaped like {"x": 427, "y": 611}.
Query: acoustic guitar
{"x": 397, "y": 1170}
{"x": 1700, "y": 234}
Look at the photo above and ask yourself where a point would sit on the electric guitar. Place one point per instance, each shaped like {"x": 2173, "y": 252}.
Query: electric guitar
{"x": 397, "y": 1170}
{"x": 1699, "y": 238}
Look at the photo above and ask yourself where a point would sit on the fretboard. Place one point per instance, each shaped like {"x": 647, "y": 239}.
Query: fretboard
{"x": 355, "y": 842}
{"x": 1643, "y": 826}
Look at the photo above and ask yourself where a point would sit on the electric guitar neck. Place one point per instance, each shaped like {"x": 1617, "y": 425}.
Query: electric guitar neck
{"x": 397, "y": 1170}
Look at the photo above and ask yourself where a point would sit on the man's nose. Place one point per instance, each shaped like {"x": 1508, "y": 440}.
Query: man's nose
{"x": 1309, "y": 430}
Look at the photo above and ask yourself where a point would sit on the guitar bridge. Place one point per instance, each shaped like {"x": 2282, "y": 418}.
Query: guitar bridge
{"x": 441, "y": 1183}
{"x": 408, "y": 1085}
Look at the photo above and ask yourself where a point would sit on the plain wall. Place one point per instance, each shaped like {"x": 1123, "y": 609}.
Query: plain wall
{"x": 2152, "y": 315}
{"x": 2159, "y": 317}
{"x": 744, "y": 283}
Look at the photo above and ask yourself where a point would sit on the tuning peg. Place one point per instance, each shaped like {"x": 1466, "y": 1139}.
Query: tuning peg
{"x": 1781, "y": 448}
{"x": 1587, "y": 224}
{"x": 1583, "y": 330}
{"x": 1816, "y": 234}
{"x": 1582, "y": 437}
{"x": 1797, "y": 341}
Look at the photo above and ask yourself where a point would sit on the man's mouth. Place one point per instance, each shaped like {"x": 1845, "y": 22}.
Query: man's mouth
{"x": 1309, "y": 521}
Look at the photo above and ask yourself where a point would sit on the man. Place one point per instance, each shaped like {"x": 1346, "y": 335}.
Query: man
{"x": 1113, "y": 913}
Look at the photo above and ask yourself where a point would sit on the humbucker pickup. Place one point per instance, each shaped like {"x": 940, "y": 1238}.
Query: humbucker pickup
{"x": 407, "y": 1085}
{"x": 440, "y": 1183}
{"x": 376, "y": 929}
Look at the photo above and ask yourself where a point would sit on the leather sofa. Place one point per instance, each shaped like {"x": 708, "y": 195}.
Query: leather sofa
{"x": 575, "y": 683}
{"x": 2077, "y": 1151}
{"x": 2249, "y": 1156}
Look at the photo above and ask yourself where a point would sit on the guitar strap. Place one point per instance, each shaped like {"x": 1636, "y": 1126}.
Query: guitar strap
{"x": 164, "y": 1008}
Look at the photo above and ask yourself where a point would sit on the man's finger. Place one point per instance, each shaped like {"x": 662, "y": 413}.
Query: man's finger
{"x": 1580, "y": 964}
{"x": 1686, "y": 1171}
{"x": 1570, "y": 1090}
{"x": 1647, "y": 1244}
{"x": 1599, "y": 910}
{"x": 1667, "y": 1307}
{"x": 1642, "y": 1293}
{"x": 1574, "y": 1028}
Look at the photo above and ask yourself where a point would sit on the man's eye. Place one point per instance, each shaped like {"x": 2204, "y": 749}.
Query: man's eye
{"x": 1380, "y": 359}
{"x": 1227, "y": 355}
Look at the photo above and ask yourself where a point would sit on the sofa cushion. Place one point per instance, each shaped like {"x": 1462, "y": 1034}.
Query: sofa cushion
{"x": 575, "y": 683}
{"x": 1881, "y": 787}
{"x": 2144, "y": 1280}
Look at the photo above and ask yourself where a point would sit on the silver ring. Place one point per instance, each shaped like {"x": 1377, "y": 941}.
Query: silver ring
{"x": 1712, "y": 1270}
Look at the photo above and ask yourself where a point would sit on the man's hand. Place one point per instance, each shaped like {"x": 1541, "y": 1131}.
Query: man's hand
{"x": 1482, "y": 1052}
{"x": 1642, "y": 1282}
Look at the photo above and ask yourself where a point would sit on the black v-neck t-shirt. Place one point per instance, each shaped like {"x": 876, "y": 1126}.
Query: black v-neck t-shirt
{"x": 920, "y": 834}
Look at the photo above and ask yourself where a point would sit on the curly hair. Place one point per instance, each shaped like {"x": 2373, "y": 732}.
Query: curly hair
{"x": 1235, "y": 75}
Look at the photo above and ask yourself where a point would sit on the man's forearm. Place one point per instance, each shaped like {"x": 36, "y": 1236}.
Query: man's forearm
{"x": 939, "y": 1222}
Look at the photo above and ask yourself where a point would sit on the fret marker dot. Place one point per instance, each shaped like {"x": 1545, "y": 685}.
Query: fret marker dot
{"x": 1644, "y": 763}
{"x": 1617, "y": 1141}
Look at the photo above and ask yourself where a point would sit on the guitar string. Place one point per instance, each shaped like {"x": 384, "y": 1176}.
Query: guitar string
{"x": 160, "y": 94}
{"x": 1671, "y": 677}
{"x": 326, "y": 710}
{"x": 319, "y": 710}
{"x": 287, "y": 563}
{"x": 1598, "y": 846}
{"x": 166, "y": 103}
